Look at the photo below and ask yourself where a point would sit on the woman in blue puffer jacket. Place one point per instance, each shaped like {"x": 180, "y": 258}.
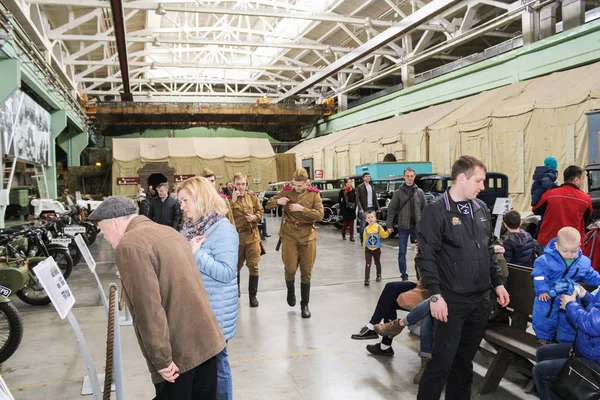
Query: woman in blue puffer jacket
{"x": 214, "y": 242}
{"x": 585, "y": 317}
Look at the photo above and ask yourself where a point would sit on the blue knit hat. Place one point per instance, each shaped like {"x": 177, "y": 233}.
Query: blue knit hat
{"x": 551, "y": 163}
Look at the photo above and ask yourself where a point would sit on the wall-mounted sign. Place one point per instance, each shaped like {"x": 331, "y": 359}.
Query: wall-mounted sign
{"x": 128, "y": 180}
{"x": 181, "y": 178}
{"x": 318, "y": 174}
{"x": 25, "y": 128}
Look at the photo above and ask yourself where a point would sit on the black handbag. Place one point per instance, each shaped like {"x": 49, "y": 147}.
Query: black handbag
{"x": 577, "y": 381}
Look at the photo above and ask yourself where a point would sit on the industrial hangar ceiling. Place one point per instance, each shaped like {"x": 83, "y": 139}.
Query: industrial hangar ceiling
{"x": 238, "y": 51}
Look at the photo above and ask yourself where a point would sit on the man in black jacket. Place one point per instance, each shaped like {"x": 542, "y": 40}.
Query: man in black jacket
{"x": 164, "y": 209}
{"x": 366, "y": 199}
{"x": 458, "y": 268}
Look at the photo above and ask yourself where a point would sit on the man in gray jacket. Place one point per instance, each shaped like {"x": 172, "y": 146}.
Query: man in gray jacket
{"x": 367, "y": 201}
{"x": 408, "y": 203}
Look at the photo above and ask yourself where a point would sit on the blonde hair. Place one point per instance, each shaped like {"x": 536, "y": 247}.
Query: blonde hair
{"x": 239, "y": 176}
{"x": 569, "y": 235}
{"x": 206, "y": 197}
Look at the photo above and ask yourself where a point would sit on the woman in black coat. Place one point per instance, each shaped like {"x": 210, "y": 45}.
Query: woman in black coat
{"x": 348, "y": 208}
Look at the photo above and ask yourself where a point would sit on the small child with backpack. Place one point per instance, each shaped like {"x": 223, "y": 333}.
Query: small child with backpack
{"x": 544, "y": 178}
{"x": 519, "y": 246}
{"x": 372, "y": 236}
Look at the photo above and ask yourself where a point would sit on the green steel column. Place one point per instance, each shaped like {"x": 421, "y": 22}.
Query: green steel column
{"x": 10, "y": 72}
{"x": 73, "y": 143}
{"x": 58, "y": 122}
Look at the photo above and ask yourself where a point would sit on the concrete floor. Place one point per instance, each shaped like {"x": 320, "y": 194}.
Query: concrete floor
{"x": 275, "y": 354}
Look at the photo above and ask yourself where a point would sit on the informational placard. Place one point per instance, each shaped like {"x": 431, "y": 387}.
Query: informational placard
{"x": 61, "y": 241}
{"x": 181, "y": 178}
{"x": 55, "y": 285}
{"x": 318, "y": 174}
{"x": 502, "y": 205}
{"x": 128, "y": 180}
{"x": 4, "y": 392}
{"x": 74, "y": 229}
{"x": 85, "y": 252}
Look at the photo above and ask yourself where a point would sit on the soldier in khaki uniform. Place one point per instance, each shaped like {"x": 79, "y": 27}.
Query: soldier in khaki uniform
{"x": 247, "y": 212}
{"x": 208, "y": 174}
{"x": 302, "y": 207}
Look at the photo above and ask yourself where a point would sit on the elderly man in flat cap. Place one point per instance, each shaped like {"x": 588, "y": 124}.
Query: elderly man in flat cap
{"x": 176, "y": 328}
{"x": 302, "y": 207}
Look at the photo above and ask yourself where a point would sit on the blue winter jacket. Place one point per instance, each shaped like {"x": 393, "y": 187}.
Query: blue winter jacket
{"x": 544, "y": 178}
{"x": 550, "y": 267}
{"x": 587, "y": 321}
{"x": 519, "y": 249}
{"x": 217, "y": 260}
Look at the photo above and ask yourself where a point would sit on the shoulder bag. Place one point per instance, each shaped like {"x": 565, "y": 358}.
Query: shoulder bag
{"x": 576, "y": 380}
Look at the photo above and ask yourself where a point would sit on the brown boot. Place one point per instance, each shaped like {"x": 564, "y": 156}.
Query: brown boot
{"x": 419, "y": 374}
{"x": 390, "y": 329}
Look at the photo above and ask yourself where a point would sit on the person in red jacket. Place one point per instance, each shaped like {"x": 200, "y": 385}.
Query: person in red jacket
{"x": 566, "y": 205}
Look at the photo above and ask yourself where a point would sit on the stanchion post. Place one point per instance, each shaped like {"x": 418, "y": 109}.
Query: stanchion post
{"x": 117, "y": 359}
{"x": 92, "y": 376}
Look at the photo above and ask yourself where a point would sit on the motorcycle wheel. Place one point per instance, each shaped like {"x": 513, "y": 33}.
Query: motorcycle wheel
{"x": 327, "y": 215}
{"x": 338, "y": 224}
{"x": 63, "y": 259}
{"x": 90, "y": 233}
{"x": 34, "y": 292}
{"x": 11, "y": 330}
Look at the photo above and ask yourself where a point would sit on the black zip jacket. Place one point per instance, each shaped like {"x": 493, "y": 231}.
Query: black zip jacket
{"x": 456, "y": 257}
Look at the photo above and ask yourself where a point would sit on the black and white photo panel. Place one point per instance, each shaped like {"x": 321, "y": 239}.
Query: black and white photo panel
{"x": 25, "y": 129}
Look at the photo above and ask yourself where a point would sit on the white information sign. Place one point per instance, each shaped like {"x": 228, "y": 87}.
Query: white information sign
{"x": 85, "y": 252}
{"x": 4, "y": 392}
{"x": 74, "y": 229}
{"x": 502, "y": 205}
{"x": 62, "y": 241}
{"x": 55, "y": 285}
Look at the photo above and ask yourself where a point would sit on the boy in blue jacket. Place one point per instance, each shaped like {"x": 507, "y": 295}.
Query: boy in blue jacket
{"x": 562, "y": 260}
{"x": 544, "y": 178}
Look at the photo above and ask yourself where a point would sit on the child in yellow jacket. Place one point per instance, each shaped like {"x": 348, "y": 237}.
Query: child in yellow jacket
{"x": 372, "y": 236}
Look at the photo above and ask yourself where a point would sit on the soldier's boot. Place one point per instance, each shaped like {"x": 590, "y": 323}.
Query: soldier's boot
{"x": 252, "y": 290}
{"x": 291, "y": 293}
{"x": 239, "y": 292}
{"x": 305, "y": 293}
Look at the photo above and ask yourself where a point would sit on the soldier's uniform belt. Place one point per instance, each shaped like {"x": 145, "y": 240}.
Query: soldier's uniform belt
{"x": 298, "y": 224}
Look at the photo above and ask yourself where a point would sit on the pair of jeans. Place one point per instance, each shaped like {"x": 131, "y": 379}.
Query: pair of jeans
{"x": 199, "y": 383}
{"x": 264, "y": 227}
{"x": 224, "y": 381}
{"x": 550, "y": 360}
{"x": 387, "y": 305}
{"x": 361, "y": 218}
{"x": 422, "y": 312}
{"x": 455, "y": 344}
{"x": 404, "y": 236}
{"x": 350, "y": 226}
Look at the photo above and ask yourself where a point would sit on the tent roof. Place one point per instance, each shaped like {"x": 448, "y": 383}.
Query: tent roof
{"x": 206, "y": 148}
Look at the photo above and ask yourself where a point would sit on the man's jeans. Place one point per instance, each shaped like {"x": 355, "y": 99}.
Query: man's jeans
{"x": 224, "y": 382}
{"x": 403, "y": 237}
{"x": 550, "y": 360}
{"x": 422, "y": 312}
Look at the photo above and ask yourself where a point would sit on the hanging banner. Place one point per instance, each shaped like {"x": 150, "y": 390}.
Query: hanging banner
{"x": 128, "y": 180}
{"x": 25, "y": 127}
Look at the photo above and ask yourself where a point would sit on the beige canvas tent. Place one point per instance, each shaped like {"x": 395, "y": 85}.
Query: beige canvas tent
{"x": 511, "y": 128}
{"x": 189, "y": 156}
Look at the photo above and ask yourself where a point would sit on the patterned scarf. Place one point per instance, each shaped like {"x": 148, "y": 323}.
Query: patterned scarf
{"x": 191, "y": 229}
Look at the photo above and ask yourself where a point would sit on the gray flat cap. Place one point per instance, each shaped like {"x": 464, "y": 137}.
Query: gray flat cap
{"x": 114, "y": 207}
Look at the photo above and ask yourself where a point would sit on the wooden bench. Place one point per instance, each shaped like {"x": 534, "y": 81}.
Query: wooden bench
{"x": 513, "y": 342}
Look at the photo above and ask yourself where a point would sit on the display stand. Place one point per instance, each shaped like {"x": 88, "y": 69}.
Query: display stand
{"x": 87, "y": 256}
{"x": 501, "y": 207}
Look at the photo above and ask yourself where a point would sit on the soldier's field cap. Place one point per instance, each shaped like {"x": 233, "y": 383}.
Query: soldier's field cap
{"x": 206, "y": 173}
{"x": 113, "y": 207}
{"x": 300, "y": 175}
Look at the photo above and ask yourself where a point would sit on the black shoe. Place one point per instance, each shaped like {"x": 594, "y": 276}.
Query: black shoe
{"x": 404, "y": 278}
{"x": 365, "y": 334}
{"x": 378, "y": 279}
{"x": 267, "y": 235}
{"x": 367, "y": 282}
{"x": 375, "y": 349}
{"x": 252, "y": 290}
{"x": 343, "y": 237}
{"x": 291, "y": 293}
{"x": 305, "y": 296}
{"x": 352, "y": 239}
